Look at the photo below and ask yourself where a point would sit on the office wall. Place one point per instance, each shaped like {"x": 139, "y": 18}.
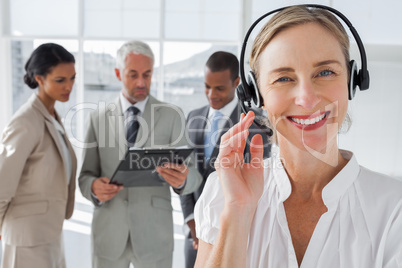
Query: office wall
{"x": 376, "y": 132}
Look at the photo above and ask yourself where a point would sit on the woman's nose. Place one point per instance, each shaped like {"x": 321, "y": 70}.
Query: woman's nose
{"x": 306, "y": 95}
{"x": 69, "y": 85}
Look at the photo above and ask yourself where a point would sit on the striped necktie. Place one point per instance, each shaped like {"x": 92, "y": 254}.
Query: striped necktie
{"x": 132, "y": 124}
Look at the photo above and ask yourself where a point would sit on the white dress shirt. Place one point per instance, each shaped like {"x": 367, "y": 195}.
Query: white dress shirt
{"x": 68, "y": 163}
{"x": 226, "y": 110}
{"x": 362, "y": 227}
{"x": 125, "y": 104}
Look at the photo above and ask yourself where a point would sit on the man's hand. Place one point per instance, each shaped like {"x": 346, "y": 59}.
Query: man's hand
{"x": 191, "y": 225}
{"x": 103, "y": 190}
{"x": 174, "y": 174}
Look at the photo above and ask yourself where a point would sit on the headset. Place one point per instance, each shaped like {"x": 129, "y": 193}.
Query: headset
{"x": 248, "y": 91}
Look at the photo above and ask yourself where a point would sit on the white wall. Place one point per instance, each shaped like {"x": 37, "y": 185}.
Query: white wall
{"x": 376, "y": 133}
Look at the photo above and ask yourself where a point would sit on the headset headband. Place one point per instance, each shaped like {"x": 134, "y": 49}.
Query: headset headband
{"x": 363, "y": 73}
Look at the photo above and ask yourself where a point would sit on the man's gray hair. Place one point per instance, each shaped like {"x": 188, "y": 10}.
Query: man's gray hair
{"x": 135, "y": 47}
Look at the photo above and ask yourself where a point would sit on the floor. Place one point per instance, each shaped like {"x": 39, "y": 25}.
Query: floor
{"x": 77, "y": 230}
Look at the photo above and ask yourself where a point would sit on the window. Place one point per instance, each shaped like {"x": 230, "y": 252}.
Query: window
{"x": 122, "y": 19}
{"x": 184, "y": 72}
{"x": 203, "y": 19}
{"x": 44, "y": 17}
{"x": 21, "y": 51}
{"x": 100, "y": 82}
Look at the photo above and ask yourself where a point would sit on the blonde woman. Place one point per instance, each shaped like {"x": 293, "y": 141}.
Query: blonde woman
{"x": 312, "y": 205}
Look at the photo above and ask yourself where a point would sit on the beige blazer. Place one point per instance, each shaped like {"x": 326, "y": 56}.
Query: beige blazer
{"x": 35, "y": 196}
{"x": 142, "y": 213}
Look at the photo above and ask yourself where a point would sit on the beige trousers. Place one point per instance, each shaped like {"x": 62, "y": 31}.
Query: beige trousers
{"x": 128, "y": 257}
{"x": 42, "y": 256}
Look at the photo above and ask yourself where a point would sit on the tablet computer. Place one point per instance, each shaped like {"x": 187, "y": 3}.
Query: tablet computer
{"x": 138, "y": 168}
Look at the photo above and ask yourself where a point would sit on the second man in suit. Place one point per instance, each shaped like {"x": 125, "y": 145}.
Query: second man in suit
{"x": 205, "y": 127}
{"x": 133, "y": 225}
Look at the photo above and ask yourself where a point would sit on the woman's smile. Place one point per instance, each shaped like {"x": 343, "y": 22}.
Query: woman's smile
{"x": 309, "y": 122}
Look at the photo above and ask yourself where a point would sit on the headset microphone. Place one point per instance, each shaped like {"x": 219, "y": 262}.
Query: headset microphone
{"x": 248, "y": 92}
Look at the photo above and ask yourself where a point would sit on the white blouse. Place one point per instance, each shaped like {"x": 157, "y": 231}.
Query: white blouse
{"x": 362, "y": 227}
{"x": 66, "y": 153}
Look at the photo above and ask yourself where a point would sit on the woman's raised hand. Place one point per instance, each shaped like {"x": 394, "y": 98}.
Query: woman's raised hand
{"x": 242, "y": 183}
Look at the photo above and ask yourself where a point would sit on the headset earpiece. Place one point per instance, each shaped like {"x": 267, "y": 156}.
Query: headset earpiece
{"x": 353, "y": 79}
{"x": 254, "y": 92}
{"x": 364, "y": 79}
{"x": 248, "y": 92}
{"x": 242, "y": 94}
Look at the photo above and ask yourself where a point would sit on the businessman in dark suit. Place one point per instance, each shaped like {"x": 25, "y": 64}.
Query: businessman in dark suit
{"x": 205, "y": 127}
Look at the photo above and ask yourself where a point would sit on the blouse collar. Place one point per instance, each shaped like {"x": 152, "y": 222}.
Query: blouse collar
{"x": 331, "y": 192}
{"x": 342, "y": 181}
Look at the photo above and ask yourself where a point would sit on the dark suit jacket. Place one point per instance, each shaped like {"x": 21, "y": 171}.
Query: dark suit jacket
{"x": 196, "y": 122}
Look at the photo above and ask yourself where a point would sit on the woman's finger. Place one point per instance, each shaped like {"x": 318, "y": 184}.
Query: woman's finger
{"x": 256, "y": 150}
{"x": 244, "y": 123}
{"x": 232, "y": 160}
{"x": 236, "y": 143}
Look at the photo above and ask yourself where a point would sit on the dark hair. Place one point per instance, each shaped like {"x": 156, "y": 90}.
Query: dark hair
{"x": 221, "y": 61}
{"x": 42, "y": 61}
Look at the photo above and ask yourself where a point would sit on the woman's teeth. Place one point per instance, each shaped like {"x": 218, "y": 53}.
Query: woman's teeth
{"x": 309, "y": 121}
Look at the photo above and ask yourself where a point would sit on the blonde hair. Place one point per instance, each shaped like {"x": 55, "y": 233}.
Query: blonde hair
{"x": 294, "y": 16}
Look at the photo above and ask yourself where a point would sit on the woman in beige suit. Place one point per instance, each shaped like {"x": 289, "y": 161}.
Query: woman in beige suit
{"x": 37, "y": 166}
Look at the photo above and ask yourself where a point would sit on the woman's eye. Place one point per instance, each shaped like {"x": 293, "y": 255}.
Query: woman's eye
{"x": 325, "y": 73}
{"x": 283, "y": 79}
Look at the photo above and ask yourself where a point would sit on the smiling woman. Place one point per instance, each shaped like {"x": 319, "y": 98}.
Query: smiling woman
{"x": 312, "y": 205}
{"x": 300, "y": 84}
